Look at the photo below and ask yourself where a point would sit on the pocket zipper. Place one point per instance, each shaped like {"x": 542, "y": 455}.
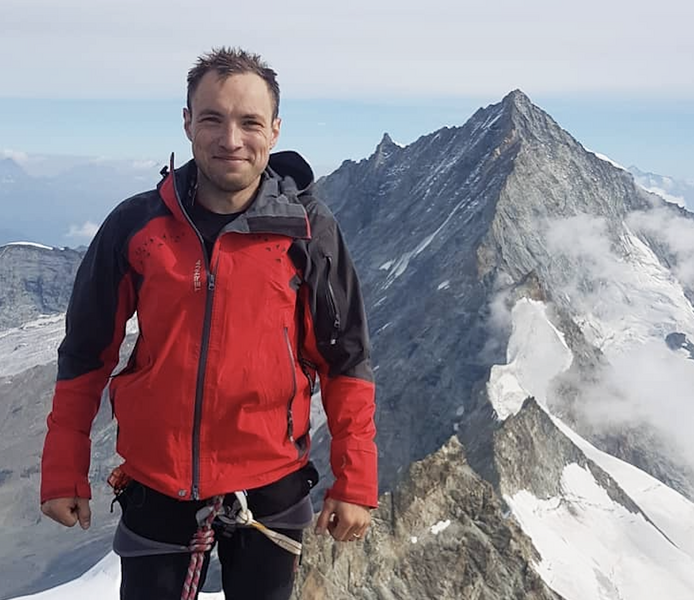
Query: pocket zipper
{"x": 290, "y": 418}
{"x": 332, "y": 305}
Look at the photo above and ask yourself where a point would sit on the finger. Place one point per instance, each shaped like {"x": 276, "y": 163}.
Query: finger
{"x": 61, "y": 513}
{"x": 354, "y": 535}
{"x": 358, "y": 532}
{"x": 365, "y": 527}
{"x": 324, "y": 519}
{"x": 363, "y": 531}
{"x": 84, "y": 513}
{"x": 342, "y": 529}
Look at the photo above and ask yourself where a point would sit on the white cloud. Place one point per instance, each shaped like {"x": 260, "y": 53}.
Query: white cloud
{"x": 84, "y": 232}
{"x": 586, "y": 266}
{"x": 626, "y": 304}
{"x": 651, "y": 384}
{"x": 144, "y": 165}
{"x": 363, "y": 48}
{"x": 16, "y": 155}
{"x": 499, "y": 320}
{"x": 676, "y": 231}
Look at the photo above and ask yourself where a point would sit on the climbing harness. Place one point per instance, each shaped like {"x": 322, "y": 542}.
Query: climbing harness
{"x": 128, "y": 543}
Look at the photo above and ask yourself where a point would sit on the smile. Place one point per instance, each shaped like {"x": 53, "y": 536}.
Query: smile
{"x": 230, "y": 158}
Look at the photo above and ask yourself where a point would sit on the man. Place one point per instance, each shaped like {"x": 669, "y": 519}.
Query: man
{"x": 244, "y": 292}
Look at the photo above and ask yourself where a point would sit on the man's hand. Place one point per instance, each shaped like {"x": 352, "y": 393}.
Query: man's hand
{"x": 346, "y": 522}
{"x": 68, "y": 511}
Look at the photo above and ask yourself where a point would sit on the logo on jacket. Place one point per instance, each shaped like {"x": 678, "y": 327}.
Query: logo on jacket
{"x": 197, "y": 283}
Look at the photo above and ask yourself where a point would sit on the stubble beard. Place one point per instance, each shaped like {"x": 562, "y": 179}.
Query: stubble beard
{"x": 226, "y": 185}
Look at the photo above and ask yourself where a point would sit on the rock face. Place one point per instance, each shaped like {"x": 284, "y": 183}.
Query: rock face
{"x": 677, "y": 340}
{"x": 442, "y": 533}
{"x": 546, "y": 452}
{"x": 34, "y": 281}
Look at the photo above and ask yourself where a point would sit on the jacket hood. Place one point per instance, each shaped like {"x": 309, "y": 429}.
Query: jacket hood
{"x": 290, "y": 164}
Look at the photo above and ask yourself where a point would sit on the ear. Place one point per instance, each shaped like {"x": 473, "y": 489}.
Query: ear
{"x": 187, "y": 122}
{"x": 275, "y": 131}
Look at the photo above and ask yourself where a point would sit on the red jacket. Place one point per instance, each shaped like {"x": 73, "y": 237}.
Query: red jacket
{"x": 216, "y": 395}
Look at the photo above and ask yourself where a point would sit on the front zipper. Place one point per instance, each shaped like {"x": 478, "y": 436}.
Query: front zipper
{"x": 200, "y": 386}
{"x": 202, "y": 362}
{"x": 332, "y": 305}
{"x": 290, "y": 418}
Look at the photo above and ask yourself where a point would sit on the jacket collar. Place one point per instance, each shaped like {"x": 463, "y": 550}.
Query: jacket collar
{"x": 276, "y": 208}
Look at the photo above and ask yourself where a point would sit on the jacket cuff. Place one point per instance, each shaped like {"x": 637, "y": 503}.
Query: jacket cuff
{"x": 367, "y": 499}
{"x": 52, "y": 491}
{"x": 356, "y": 476}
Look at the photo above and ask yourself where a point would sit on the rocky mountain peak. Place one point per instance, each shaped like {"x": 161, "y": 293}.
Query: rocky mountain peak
{"x": 518, "y": 99}
{"x": 384, "y": 149}
{"x": 386, "y": 141}
{"x": 523, "y": 110}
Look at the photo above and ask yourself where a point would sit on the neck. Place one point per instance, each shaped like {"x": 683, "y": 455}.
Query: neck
{"x": 219, "y": 201}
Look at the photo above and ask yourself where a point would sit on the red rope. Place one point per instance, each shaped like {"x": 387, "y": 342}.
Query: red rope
{"x": 202, "y": 542}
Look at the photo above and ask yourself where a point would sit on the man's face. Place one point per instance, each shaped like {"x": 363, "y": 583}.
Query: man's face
{"x": 232, "y": 129}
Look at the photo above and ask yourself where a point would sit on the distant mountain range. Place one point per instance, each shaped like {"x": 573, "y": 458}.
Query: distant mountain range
{"x": 677, "y": 191}
{"x": 64, "y": 209}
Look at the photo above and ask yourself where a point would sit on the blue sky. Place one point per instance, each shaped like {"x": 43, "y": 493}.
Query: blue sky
{"x": 107, "y": 78}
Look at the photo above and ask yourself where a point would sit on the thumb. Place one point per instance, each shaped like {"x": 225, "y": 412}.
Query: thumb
{"x": 84, "y": 513}
{"x": 324, "y": 517}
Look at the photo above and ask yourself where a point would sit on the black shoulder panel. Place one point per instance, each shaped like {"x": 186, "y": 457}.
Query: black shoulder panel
{"x": 94, "y": 304}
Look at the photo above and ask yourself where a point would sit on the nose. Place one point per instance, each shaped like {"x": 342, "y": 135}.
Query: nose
{"x": 230, "y": 136}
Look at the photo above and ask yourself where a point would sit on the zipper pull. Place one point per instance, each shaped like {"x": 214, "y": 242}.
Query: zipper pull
{"x": 290, "y": 425}
{"x": 210, "y": 281}
{"x": 336, "y": 331}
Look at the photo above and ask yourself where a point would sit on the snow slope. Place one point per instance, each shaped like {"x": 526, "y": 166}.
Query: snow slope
{"x": 101, "y": 582}
{"x": 36, "y": 343}
{"x": 671, "y": 512}
{"x": 32, "y": 244}
{"x": 638, "y": 300}
{"x": 531, "y": 365}
{"x": 592, "y": 547}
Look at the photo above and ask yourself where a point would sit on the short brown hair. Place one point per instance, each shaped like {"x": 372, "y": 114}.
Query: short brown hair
{"x": 234, "y": 61}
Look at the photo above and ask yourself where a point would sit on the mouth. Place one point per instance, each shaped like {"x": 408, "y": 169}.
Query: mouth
{"x": 230, "y": 159}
